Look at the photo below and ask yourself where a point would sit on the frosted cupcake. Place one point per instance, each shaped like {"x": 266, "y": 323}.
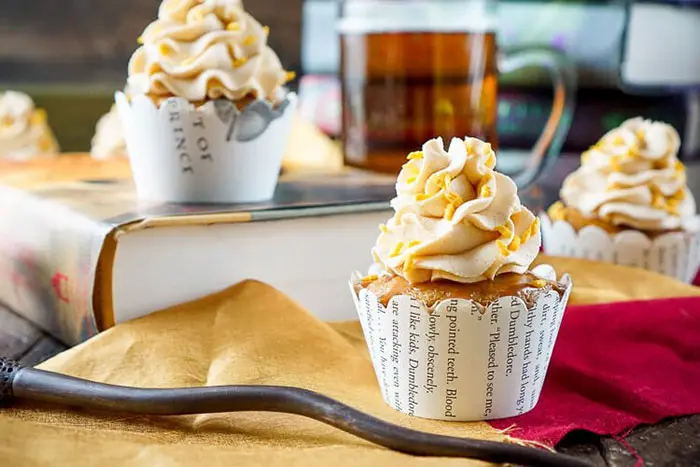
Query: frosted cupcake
{"x": 208, "y": 116}
{"x": 458, "y": 325}
{"x": 108, "y": 141}
{"x": 24, "y": 131}
{"x": 629, "y": 204}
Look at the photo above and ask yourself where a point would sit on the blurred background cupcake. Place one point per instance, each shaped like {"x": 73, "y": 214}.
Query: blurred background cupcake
{"x": 629, "y": 204}
{"x": 24, "y": 131}
{"x": 108, "y": 141}
{"x": 207, "y": 117}
{"x": 454, "y": 283}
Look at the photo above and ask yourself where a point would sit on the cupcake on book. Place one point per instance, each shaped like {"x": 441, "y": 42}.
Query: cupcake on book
{"x": 458, "y": 324}
{"x": 208, "y": 115}
{"x": 24, "y": 131}
{"x": 629, "y": 204}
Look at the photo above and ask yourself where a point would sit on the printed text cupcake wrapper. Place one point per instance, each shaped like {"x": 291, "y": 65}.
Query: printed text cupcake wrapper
{"x": 212, "y": 153}
{"x": 674, "y": 254}
{"x": 462, "y": 361}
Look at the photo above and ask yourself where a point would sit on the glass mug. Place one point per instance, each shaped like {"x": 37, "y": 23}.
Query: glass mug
{"x": 412, "y": 70}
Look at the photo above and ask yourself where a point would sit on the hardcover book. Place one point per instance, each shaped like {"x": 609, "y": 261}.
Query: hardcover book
{"x": 80, "y": 253}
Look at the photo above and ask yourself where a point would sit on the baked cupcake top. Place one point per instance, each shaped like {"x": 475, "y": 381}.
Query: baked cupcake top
{"x": 456, "y": 218}
{"x": 24, "y": 132}
{"x": 205, "y": 49}
{"x": 632, "y": 177}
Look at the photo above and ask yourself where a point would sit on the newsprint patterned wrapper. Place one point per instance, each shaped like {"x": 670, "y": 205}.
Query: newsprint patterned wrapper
{"x": 213, "y": 153}
{"x": 675, "y": 254}
{"x": 462, "y": 361}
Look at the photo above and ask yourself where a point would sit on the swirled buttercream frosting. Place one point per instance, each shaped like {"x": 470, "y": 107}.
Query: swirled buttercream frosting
{"x": 456, "y": 218}
{"x": 206, "y": 49}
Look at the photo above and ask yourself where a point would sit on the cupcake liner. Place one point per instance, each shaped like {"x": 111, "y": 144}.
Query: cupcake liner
{"x": 462, "y": 361}
{"x": 209, "y": 154}
{"x": 675, "y": 254}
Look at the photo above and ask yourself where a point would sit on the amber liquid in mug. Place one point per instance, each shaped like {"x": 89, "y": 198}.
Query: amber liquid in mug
{"x": 402, "y": 89}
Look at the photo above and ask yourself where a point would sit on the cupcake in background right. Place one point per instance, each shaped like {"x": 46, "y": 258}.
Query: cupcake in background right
{"x": 629, "y": 204}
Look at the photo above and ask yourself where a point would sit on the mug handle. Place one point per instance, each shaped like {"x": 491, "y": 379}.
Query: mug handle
{"x": 563, "y": 74}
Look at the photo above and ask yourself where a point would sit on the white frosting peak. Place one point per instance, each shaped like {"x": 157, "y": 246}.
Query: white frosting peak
{"x": 456, "y": 218}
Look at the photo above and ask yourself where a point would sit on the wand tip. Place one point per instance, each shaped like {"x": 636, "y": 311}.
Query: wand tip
{"x": 8, "y": 370}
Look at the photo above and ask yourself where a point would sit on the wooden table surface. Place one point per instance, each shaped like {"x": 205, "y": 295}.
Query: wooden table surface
{"x": 674, "y": 442}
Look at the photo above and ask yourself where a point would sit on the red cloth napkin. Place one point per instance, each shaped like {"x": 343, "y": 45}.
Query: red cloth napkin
{"x": 616, "y": 366}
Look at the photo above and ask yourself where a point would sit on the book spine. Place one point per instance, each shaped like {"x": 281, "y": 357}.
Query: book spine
{"x": 48, "y": 263}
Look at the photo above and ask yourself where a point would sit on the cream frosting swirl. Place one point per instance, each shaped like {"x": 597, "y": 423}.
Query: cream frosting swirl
{"x": 24, "y": 131}
{"x": 632, "y": 177}
{"x": 206, "y": 49}
{"x": 456, "y": 218}
{"x": 108, "y": 141}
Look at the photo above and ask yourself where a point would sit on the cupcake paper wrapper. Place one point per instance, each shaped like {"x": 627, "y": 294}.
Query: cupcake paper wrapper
{"x": 211, "y": 154}
{"x": 675, "y": 254}
{"x": 462, "y": 361}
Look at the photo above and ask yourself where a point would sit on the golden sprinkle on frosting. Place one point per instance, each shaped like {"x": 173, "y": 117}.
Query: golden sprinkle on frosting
{"x": 449, "y": 211}
{"x": 504, "y": 231}
{"x": 485, "y": 191}
{"x": 233, "y": 26}
{"x": 557, "y": 211}
{"x": 502, "y": 248}
{"x": 266, "y": 30}
{"x": 615, "y": 164}
{"x": 422, "y": 196}
{"x": 239, "y": 62}
{"x": 38, "y": 117}
{"x": 139, "y": 41}
{"x": 290, "y": 76}
{"x": 250, "y": 40}
{"x": 454, "y": 198}
{"x": 539, "y": 283}
{"x": 415, "y": 155}
{"x": 409, "y": 262}
{"x": 444, "y": 182}
{"x": 370, "y": 278}
{"x": 413, "y": 243}
{"x": 515, "y": 244}
{"x": 383, "y": 228}
{"x": 397, "y": 250}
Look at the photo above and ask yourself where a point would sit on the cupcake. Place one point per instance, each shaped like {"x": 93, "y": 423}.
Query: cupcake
{"x": 207, "y": 117}
{"x": 108, "y": 141}
{"x": 24, "y": 131}
{"x": 629, "y": 204}
{"x": 458, "y": 325}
